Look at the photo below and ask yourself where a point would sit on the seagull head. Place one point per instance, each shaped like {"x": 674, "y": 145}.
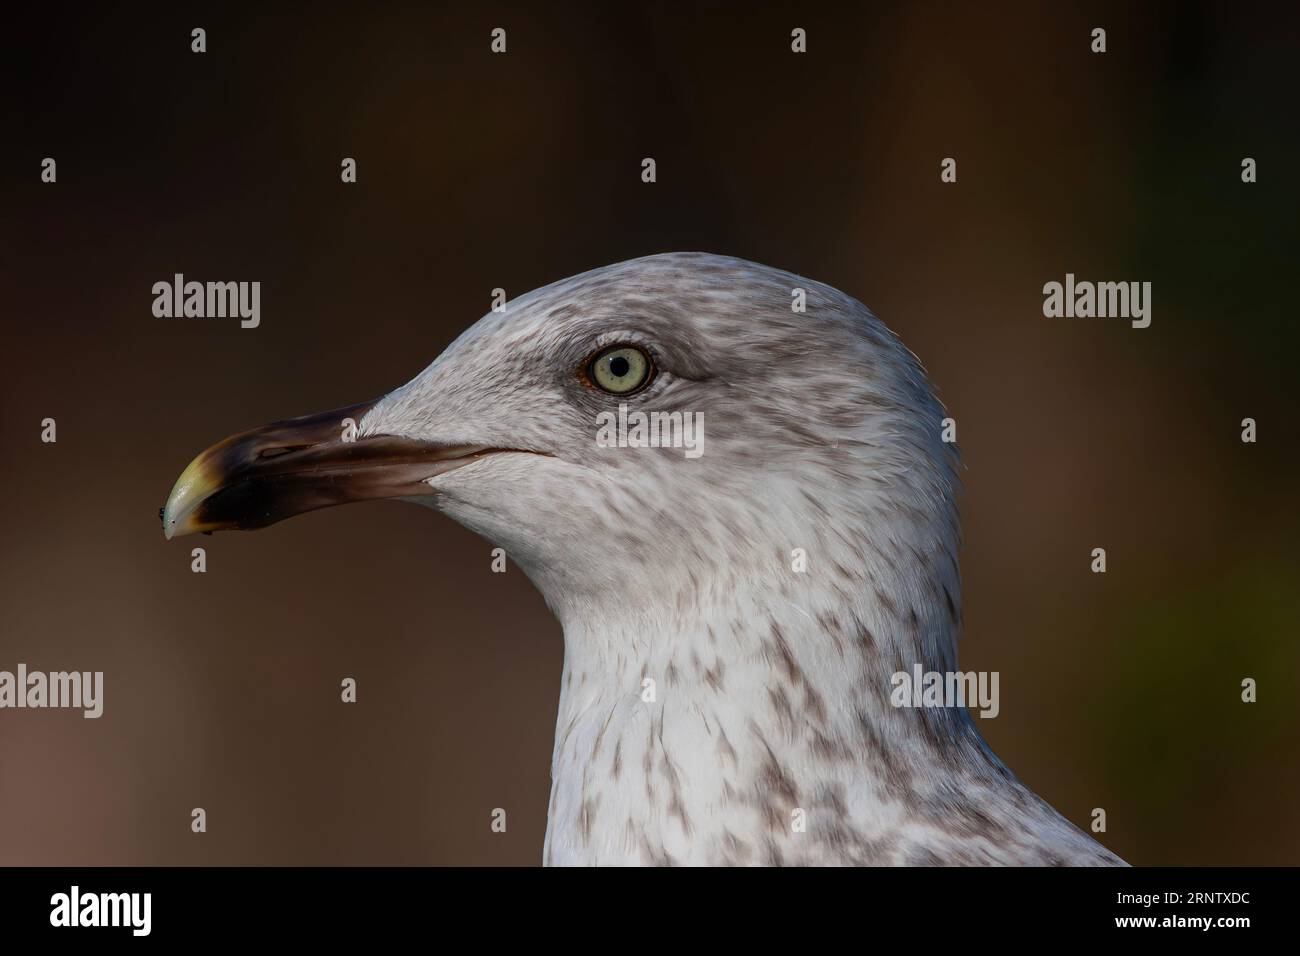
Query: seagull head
{"x": 688, "y": 421}
{"x": 726, "y": 479}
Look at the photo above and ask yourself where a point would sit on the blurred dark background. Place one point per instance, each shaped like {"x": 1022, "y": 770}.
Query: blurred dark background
{"x": 476, "y": 170}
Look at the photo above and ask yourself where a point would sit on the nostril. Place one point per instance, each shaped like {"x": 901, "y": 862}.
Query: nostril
{"x": 277, "y": 451}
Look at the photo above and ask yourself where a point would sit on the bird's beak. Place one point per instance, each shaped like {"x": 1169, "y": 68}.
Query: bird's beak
{"x": 259, "y": 477}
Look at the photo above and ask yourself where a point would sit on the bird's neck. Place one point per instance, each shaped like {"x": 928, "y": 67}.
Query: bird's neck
{"x": 699, "y": 728}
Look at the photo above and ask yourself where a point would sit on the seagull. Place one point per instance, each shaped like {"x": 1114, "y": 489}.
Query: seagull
{"x": 733, "y": 619}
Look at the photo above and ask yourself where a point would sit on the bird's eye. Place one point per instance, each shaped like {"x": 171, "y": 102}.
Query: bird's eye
{"x": 621, "y": 370}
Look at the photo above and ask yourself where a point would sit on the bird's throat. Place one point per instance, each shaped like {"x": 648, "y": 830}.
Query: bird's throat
{"x": 724, "y": 734}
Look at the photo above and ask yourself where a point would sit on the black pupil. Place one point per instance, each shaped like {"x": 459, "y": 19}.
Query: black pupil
{"x": 619, "y": 366}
